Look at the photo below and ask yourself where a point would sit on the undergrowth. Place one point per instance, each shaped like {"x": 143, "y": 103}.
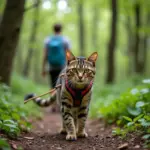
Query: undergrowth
{"x": 126, "y": 105}
{"x": 13, "y": 113}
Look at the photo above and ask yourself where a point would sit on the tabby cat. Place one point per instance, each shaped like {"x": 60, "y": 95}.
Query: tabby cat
{"x": 74, "y": 95}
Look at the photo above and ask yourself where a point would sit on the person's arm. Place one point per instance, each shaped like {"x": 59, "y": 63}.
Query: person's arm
{"x": 67, "y": 44}
{"x": 44, "y": 62}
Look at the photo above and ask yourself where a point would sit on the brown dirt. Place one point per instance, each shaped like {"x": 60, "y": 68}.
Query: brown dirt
{"x": 44, "y": 136}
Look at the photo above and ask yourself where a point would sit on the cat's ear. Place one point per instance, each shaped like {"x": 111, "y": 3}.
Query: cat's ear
{"x": 69, "y": 56}
{"x": 93, "y": 57}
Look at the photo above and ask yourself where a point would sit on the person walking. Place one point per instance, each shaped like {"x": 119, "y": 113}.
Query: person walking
{"x": 54, "y": 55}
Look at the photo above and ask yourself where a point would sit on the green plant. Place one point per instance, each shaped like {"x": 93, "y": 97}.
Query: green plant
{"x": 130, "y": 110}
{"x": 138, "y": 118}
{"x": 14, "y": 115}
{"x": 4, "y": 144}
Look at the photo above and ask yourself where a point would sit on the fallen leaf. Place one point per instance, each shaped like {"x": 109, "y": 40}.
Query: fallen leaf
{"x": 123, "y": 146}
{"x": 14, "y": 146}
{"x": 29, "y": 138}
{"x": 137, "y": 146}
{"x": 58, "y": 148}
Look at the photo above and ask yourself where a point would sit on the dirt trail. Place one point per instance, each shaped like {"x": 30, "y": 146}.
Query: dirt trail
{"x": 45, "y": 136}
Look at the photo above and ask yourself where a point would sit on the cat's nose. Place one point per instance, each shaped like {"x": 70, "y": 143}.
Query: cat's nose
{"x": 80, "y": 77}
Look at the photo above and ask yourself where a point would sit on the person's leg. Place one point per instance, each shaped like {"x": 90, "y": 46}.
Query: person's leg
{"x": 54, "y": 74}
{"x": 52, "y": 78}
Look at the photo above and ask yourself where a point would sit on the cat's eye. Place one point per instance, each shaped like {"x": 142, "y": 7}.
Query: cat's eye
{"x": 73, "y": 69}
{"x": 86, "y": 70}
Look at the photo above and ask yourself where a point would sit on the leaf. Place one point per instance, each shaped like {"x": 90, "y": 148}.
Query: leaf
{"x": 14, "y": 146}
{"x": 5, "y": 117}
{"x": 144, "y": 91}
{"x": 4, "y": 145}
{"x": 29, "y": 138}
{"x": 127, "y": 118}
{"x": 146, "y": 81}
{"x": 139, "y": 104}
{"x": 134, "y": 91}
{"x": 144, "y": 123}
{"x": 10, "y": 125}
{"x": 147, "y": 136}
{"x": 138, "y": 117}
{"x": 15, "y": 116}
{"x": 123, "y": 146}
{"x": 130, "y": 124}
{"x": 133, "y": 111}
{"x": 9, "y": 121}
{"x": 1, "y": 123}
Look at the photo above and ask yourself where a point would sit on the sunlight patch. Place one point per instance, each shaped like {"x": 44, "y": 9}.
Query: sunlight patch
{"x": 46, "y": 5}
{"x": 62, "y": 5}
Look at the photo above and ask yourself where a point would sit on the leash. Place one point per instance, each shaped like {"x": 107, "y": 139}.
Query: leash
{"x": 49, "y": 92}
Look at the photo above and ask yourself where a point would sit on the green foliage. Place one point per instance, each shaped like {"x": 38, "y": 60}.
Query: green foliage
{"x": 9, "y": 117}
{"x": 13, "y": 113}
{"x": 131, "y": 103}
{"x": 105, "y": 95}
{"x": 4, "y": 145}
{"x": 131, "y": 109}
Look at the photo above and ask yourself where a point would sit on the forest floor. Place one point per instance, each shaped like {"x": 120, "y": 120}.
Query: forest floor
{"x": 44, "y": 136}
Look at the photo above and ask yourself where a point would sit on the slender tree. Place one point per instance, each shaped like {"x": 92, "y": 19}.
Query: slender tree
{"x": 112, "y": 44}
{"x": 81, "y": 27}
{"x": 95, "y": 20}
{"x": 144, "y": 43}
{"x": 36, "y": 67}
{"x": 130, "y": 43}
{"x": 137, "y": 10}
{"x": 9, "y": 34}
{"x": 32, "y": 39}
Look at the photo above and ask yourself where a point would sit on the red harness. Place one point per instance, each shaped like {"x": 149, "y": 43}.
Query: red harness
{"x": 78, "y": 94}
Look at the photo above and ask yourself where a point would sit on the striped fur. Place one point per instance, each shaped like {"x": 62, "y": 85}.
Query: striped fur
{"x": 79, "y": 72}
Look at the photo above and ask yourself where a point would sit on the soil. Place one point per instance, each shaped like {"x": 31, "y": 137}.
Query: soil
{"x": 44, "y": 136}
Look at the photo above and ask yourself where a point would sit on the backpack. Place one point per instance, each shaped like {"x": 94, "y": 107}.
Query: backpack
{"x": 56, "y": 52}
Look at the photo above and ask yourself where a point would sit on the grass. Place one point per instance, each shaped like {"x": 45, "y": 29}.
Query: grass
{"x": 21, "y": 87}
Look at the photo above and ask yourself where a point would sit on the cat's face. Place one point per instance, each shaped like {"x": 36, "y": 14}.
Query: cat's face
{"x": 81, "y": 71}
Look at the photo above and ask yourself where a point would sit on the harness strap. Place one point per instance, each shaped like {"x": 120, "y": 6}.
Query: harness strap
{"x": 78, "y": 94}
{"x": 88, "y": 88}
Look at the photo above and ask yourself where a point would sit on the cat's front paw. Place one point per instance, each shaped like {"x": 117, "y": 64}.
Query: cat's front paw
{"x": 71, "y": 137}
{"x": 82, "y": 134}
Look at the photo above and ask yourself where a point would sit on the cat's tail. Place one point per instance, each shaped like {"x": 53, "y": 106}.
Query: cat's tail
{"x": 42, "y": 102}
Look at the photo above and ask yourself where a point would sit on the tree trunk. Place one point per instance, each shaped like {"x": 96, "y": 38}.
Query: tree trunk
{"x": 144, "y": 47}
{"x": 81, "y": 28}
{"x": 130, "y": 45}
{"x": 19, "y": 59}
{"x": 95, "y": 27}
{"x": 9, "y": 35}
{"x": 32, "y": 40}
{"x": 0, "y": 18}
{"x": 137, "y": 37}
{"x": 36, "y": 68}
{"x": 112, "y": 44}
